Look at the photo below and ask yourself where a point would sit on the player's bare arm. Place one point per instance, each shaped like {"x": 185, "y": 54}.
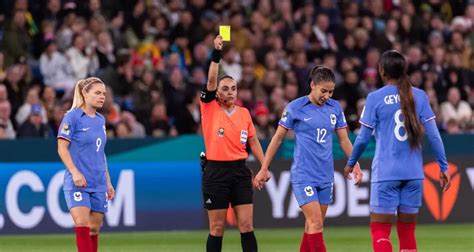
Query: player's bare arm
{"x": 63, "y": 151}
{"x": 263, "y": 175}
{"x": 346, "y": 146}
{"x": 214, "y": 67}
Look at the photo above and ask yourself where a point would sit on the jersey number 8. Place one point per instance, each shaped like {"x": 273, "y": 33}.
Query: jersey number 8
{"x": 399, "y": 124}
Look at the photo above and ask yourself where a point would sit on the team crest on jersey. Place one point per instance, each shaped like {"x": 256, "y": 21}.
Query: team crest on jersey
{"x": 244, "y": 136}
{"x": 284, "y": 116}
{"x": 220, "y": 133}
{"x": 66, "y": 129}
{"x": 77, "y": 196}
{"x": 309, "y": 191}
{"x": 333, "y": 119}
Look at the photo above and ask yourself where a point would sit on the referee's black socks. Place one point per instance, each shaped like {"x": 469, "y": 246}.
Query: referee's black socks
{"x": 214, "y": 243}
{"x": 249, "y": 242}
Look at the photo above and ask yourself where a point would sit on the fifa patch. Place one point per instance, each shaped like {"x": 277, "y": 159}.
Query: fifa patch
{"x": 66, "y": 129}
{"x": 220, "y": 133}
{"x": 309, "y": 191}
{"x": 333, "y": 119}
{"x": 77, "y": 196}
{"x": 244, "y": 136}
{"x": 284, "y": 116}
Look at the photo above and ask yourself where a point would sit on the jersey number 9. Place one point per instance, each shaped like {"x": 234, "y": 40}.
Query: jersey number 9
{"x": 399, "y": 124}
{"x": 98, "y": 143}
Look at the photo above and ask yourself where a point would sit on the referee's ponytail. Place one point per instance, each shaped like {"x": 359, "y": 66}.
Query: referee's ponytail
{"x": 83, "y": 85}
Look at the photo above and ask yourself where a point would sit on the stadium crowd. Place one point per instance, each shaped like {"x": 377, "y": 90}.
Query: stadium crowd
{"x": 154, "y": 56}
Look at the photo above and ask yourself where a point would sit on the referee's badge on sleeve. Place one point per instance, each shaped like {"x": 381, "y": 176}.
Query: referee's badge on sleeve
{"x": 243, "y": 136}
{"x": 65, "y": 129}
{"x": 220, "y": 132}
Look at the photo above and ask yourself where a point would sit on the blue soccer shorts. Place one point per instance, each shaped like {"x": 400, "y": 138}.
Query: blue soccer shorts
{"x": 310, "y": 192}
{"x": 388, "y": 197}
{"x": 95, "y": 201}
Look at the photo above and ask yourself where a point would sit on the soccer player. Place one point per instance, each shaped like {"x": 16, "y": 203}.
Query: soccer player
{"x": 313, "y": 118}
{"x": 226, "y": 179}
{"x": 398, "y": 114}
{"x": 81, "y": 142}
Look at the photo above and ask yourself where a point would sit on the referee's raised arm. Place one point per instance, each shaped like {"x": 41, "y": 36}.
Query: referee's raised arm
{"x": 214, "y": 67}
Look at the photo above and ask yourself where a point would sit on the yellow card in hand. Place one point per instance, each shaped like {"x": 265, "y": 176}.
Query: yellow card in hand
{"x": 224, "y": 31}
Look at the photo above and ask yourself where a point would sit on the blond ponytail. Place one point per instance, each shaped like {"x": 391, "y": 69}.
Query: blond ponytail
{"x": 83, "y": 84}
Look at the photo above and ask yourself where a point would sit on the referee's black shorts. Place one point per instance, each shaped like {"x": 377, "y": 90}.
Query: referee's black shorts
{"x": 225, "y": 182}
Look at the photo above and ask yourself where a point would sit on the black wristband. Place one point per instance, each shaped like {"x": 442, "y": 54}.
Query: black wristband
{"x": 216, "y": 55}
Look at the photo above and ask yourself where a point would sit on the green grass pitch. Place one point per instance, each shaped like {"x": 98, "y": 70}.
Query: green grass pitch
{"x": 441, "y": 237}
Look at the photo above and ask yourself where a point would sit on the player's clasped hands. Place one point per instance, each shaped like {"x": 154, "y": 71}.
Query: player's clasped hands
{"x": 79, "y": 179}
{"x": 262, "y": 176}
{"x": 356, "y": 173}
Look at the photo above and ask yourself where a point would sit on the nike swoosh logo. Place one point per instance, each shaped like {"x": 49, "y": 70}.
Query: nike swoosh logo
{"x": 85, "y": 129}
{"x": 307, "y": 119}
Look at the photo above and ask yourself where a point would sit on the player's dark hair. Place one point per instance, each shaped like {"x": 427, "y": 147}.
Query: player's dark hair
{"x": 223, "y": 77}
{"x": 394, "y": 65}
{"x": 322, "y": 74}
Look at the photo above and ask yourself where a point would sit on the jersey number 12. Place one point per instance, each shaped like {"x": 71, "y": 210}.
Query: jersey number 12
{"x": 399, "y": 124}
{"x": 321, "y": 134}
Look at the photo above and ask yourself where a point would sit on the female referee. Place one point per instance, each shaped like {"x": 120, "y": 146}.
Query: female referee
{"x": 81, "y": 141}
{"x": 399, "y": 114}
{"x": 226, "y": 179}
{"x": 313, "y": 118}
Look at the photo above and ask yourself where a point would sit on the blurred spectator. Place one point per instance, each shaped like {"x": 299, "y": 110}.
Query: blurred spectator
{"x": 3, "y": 93}
{"x": 16, "y": 41}
{"x": 455, "y": 108}
{"x": 123, "y": 130}
{"x": 5, "y": 113}
{"x": 188, "y": 119}
{"x": 146, "y": 92}
{"x": 34, "y": 126}
{"x": 16, "y": 87}
{"x": 105, "y": 50}
{"x": 32, "y": 100}
{"x": 82, "y": 59}
{"x": 137, "y": 130}
{"x": 230, "y": 63}
{"x": 55, "y": 121}
{"x": 175, "y": 91}
{"x": 110, "y": 110}
{"x": 3, "y": 73}
{"x": 263, "y": 125}
{"x": 158, "y": 124}
{"x": 56, "y": 70}
{"x": 157, "y": 52}
{"x": 48, "y": 99}
{"x": 452, "y": 126}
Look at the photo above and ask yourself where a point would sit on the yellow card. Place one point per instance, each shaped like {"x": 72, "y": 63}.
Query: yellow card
{"x": 224, "y": 31}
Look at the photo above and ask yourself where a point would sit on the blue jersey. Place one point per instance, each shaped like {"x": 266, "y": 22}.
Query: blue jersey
{"x": 394, "y": 158}
{"x": 313, "y": 126}
{"x": 87, "y": 139}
